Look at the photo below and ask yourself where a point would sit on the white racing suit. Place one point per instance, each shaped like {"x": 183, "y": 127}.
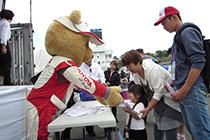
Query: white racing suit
{"x": 55, "y": 79}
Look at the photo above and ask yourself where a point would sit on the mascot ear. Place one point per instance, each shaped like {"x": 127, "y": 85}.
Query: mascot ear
{"x": 88, "y": 55}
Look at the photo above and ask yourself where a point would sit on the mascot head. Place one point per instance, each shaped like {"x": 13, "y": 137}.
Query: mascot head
{"x": 69, "y": 37}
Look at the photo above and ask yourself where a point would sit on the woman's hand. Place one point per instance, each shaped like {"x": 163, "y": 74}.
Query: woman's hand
{"x": 145, "y": 112}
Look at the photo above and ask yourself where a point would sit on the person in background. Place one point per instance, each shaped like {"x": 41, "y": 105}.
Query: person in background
{"x": 5, "y": 54}
{"x": 141, "y": 51}
{"x": 113, "y": 79}
{"x": 169, "y": 52}
{"x": 167, "y": 114}
{"x": 122, "y": 74}
{"x": 124, "y": 86}
{"x": 134, "y": 122}
{"x": 190, "y": 88}
{"x": 180, "y": 134}
{"x": 94, "y": 71}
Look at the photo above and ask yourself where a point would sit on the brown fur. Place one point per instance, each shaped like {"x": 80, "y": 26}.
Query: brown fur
{"x": 61, "y": 41}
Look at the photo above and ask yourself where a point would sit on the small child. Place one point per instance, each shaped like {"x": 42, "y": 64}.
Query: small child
{"x": 134, "y": 123}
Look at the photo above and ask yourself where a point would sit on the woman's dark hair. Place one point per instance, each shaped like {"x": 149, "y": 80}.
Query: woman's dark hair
{"x": 131, "y": 56}
{"x": 114, "y": 62}
{"x": 7, "y": 14}
{"x": 138, "y": 90}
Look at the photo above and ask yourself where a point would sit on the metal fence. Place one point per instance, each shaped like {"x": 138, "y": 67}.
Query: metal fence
{"x": 21, "y": 46}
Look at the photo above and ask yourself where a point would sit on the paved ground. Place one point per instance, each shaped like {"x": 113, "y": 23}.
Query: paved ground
{"x": 77, "y": 132}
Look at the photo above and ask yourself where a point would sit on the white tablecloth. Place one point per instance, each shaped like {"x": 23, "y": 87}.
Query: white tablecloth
{"x": 102, "y": 120}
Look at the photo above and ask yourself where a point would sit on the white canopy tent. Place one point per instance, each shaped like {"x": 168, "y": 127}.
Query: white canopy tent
{"x": 41, "y": 58}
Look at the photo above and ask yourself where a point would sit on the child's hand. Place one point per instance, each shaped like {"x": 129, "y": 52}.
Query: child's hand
{"x": 126, "y": 109}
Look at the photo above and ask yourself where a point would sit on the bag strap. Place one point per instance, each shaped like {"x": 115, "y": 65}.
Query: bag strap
{"x": 179, "y": 43}
{"x": 147, "y": 90}
{"x": 130, "y": 117}
{"x": 180, "y": 46}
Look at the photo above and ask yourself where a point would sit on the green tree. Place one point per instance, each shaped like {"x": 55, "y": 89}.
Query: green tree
{"x": 160, "y": 54}
{"x": 150, "y": 54}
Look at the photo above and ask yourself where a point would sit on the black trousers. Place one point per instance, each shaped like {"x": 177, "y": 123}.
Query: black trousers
{"x": 5, "y": 65}
{"x": 138, "y": 134}
{"x": 114, "y": 111}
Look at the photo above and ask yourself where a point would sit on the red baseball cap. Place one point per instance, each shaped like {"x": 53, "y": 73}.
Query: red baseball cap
{"x": 166, "y": 12}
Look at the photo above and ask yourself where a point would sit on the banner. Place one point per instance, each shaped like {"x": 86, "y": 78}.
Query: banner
{"x": 13, "y": 120}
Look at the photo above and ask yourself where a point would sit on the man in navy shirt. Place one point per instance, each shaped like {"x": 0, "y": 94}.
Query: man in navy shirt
{"x": 189, "y": 85}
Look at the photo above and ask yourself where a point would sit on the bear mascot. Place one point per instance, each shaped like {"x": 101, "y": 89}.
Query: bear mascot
{"x": 67, "y": 41}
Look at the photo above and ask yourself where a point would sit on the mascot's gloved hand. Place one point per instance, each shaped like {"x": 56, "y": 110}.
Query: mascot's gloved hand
{"x": 100, "y": 100}
{"x": 114, "y": 98}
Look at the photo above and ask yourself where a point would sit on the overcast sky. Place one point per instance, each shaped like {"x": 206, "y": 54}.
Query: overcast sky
{"x": 126, "y": 24}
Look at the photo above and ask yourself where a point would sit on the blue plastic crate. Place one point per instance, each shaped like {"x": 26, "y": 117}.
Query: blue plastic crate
{"x": 84, "y": 96}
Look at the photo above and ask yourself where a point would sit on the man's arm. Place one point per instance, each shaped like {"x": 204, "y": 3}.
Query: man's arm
{"x": 191, "y": 37}
{"x": 192, "y": 77}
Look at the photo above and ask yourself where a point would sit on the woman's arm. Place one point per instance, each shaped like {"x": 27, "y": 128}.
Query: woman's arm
{"x": 145, "y": 111}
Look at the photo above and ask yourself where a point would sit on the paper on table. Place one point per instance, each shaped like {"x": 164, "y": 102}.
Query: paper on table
{"x": 85, "y": 110}
{"x": 171, "y": 90}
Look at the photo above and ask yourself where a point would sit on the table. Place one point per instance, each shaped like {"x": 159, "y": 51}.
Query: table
{"x": 103, "y": 120}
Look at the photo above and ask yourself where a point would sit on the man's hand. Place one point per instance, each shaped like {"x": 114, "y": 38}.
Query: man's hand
{"x": 181, "y": 93}
{"x": 4, "y": 49}
{"x": 178, "y": 95}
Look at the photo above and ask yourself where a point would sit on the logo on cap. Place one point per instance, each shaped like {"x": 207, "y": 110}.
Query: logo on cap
{"x": 162, "y": 13}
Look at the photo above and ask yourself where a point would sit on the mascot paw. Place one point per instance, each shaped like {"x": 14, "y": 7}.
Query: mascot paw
{"x": 100, "y": 100}
{"x": 115, "y": 97}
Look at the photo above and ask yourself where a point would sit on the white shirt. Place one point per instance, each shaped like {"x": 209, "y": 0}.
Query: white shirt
{"x": 131, "y": 76}
{"x": 5, "y": 32}
{"x": 94, "y": 71}
{"x": 135, "y": 124}
{"x": 154, "y": 74}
